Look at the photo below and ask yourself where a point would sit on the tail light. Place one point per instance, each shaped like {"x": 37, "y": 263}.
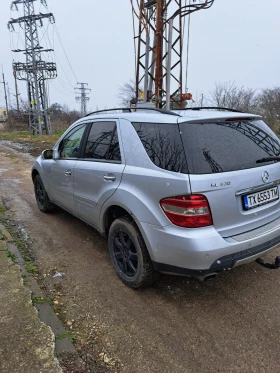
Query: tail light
{"x": 187, "y": 211}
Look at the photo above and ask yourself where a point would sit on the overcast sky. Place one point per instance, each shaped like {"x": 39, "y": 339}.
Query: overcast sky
{"x": 234, "y": 40}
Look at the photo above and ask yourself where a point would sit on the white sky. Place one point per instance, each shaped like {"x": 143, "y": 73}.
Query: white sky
{"x": 234, "y": 40}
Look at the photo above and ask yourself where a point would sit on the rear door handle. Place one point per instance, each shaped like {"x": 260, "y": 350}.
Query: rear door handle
{"x": 109, "y": 177}
{"x": 68, "y": 173}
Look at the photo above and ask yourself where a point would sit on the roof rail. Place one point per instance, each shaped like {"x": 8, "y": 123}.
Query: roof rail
{"x": 210, "y": 108}
{"x": 134, "y": 109}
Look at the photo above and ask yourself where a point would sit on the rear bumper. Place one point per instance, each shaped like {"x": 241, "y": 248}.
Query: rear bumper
{"x": 194, "y": 252}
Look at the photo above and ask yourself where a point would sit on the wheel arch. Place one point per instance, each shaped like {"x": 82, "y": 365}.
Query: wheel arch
{"x": 34, "y": 173}
{"x": 116, "y": 211}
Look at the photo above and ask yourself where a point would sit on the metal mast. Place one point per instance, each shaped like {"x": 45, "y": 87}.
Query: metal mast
{"x": 5, "y": 93}
{"x": 161, "y": 29}
{"x": 35, "y": 70}
{"x": 83, "y": 98}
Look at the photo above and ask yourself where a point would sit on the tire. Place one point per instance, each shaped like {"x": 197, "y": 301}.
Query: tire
{"x": 129, "y": 254}
{"x": 41, "y": 195}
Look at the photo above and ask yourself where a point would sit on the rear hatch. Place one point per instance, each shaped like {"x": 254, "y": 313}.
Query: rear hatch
{"x": 222, "y": 155}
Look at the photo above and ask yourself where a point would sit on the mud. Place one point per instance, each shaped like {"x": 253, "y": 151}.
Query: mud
{"x": 230, "y": 324}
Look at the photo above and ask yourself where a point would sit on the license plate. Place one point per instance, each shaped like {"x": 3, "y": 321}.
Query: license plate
{"x": 260, "y": 198}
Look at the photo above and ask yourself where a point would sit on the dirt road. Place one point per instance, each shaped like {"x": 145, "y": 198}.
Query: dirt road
{"x": 230, "y": 324}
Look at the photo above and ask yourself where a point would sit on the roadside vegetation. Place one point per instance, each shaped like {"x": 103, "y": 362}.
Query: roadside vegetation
{"x": 16, "y": 127}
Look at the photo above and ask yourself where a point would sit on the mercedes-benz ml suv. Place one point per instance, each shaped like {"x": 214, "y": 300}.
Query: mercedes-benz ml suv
{"x": 191, "y": 194}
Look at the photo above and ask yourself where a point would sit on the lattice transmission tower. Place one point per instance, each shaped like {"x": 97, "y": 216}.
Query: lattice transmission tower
{"x": 162, "y": 27}
{"x": 34, "y": 70}
{"x": 83, "y": 98}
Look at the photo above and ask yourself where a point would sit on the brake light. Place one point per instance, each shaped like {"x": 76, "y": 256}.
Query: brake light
{"x": 191, "y": 211}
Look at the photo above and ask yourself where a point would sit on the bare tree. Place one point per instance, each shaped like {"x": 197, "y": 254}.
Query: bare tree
{"x": 233, "y": 97}
{"x": 268, "y": 103}
{"x": 127, "y": 93}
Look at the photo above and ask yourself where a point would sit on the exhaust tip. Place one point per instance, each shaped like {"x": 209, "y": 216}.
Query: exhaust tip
{"x": 208, "y": 277}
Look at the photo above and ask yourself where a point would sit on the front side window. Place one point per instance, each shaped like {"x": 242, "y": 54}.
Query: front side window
{"x": 229, "y": 146}
{"x": 163, "y": 145}
{"x": 70, "y": 145}
{"x": 102, "y": 142}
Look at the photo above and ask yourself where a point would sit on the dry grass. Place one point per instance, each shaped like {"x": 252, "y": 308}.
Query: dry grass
{"x": 35, "y": 143}
{"x": 25, "y": 136}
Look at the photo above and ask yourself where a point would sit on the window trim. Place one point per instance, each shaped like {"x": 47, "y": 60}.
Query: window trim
{"x": 99, "y": 160}
{"x": 82, "y": 149}
{"x": 81, "y": 144}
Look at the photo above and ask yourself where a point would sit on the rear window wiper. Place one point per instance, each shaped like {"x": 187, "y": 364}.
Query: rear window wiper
{"x": 268, "y": 159}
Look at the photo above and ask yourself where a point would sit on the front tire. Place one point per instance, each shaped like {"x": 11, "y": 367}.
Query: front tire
{"x": 129, "y": 254}
{"x": 41, "y": 195}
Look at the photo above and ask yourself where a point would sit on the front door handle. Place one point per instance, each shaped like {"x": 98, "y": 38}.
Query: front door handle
{"x": 68, "y": 173}
{"x": 109, "y": 177}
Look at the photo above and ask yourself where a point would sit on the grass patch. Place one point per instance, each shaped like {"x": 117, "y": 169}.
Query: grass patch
{"x": 2, "y": 209}
{"x": 18, "y": 242}
{"x": 9, "y": 254}
{"x": 30, "y": 267}
{"x": 27, "y": 137}
{"x": 67, "y": 334}
{"x": 41, "y": 300}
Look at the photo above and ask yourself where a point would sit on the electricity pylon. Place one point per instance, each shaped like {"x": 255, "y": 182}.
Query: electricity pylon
{"x": 35, "y": 70}
{"x": 83, "y": 98}
{"x": 159, "y": 55}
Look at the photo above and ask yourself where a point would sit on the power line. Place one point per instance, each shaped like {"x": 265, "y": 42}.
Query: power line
{"x": 59, "y": 38}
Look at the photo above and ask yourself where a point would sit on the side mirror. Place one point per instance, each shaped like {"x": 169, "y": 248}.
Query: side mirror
{"x": 47, "y": 154}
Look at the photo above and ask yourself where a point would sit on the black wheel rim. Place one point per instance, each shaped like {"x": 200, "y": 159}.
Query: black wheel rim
{"x": 125, "y": 254}
{"x": 39, "y": 193}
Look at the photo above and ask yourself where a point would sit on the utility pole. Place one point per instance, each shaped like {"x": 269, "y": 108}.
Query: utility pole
{"x": 9, "y": 95}
{"x": 16, "y": 88}
{"x": 5, "y": 92}
{"x": 83, "y": 98}
{"x": 35, "y": 70}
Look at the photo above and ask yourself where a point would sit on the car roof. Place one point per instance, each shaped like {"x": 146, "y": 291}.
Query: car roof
{"x": 183, "y": 116}
{"x": 138, "y": 117}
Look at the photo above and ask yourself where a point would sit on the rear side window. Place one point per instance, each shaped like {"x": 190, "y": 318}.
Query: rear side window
{"x": 163, "y": 145}
{"x": 102, "y": 142}
{"x": 230, "y": 146}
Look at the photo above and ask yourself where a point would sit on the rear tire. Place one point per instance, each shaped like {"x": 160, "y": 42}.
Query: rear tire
{"x": 41, "y": 195}
{"x": 129, "y": 254}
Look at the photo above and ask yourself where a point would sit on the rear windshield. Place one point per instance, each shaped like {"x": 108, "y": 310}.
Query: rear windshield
{"x": 230, "y": 146}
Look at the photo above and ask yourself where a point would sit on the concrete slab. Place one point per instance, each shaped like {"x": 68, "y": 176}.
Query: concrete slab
{"x": 26, "y": 344}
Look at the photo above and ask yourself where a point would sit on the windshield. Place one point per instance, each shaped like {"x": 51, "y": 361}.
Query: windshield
{"x": 229, "y": 146}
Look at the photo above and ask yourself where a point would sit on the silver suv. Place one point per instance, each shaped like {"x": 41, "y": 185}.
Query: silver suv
{"x": 191, "y": 193}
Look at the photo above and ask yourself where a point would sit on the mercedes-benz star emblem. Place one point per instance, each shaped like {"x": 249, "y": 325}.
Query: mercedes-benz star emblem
{"x": 265, "y": 177}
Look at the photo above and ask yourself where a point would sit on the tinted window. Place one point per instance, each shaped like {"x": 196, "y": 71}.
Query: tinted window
{"x": 70, "y": 145}
{"x": 230, "y": 146}
{"x": 114, "y": 153}
{"x": 102, "y": 142}
{"x": 163, "y": 145}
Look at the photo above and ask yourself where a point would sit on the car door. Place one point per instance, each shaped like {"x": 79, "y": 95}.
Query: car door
{"x": 99, "y": 171}
{"x": 60, "y": 171}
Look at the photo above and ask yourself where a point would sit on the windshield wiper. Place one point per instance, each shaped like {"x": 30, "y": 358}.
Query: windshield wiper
{"x": 268, "y": 159}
